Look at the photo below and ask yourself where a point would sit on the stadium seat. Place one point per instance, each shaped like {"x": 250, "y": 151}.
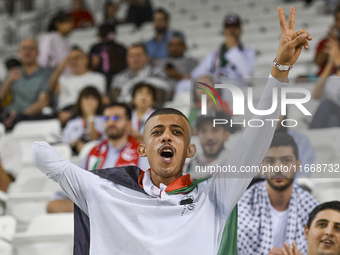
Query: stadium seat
{"x": 2, "y": 130}
{"x": 7, "y": 231}
{"x": 49, "y": 130}
{"x": 46, "y": 234}
{"x": 84, "y": 152}
{"x": 25, "y": 206}
{"x": 3, "y": 200}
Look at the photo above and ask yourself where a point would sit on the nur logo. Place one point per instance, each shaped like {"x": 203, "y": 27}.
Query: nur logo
{"x": 204, "y": 97}
{"x": 239, "y": 100}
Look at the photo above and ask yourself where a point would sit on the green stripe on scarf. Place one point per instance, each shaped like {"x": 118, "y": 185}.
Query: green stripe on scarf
{"x": 228, "y": 244}
{"x": 189, "y": 188}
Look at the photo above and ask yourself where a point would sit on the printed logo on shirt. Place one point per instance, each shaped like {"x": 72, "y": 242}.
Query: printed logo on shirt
{"x": 187, "y": 201}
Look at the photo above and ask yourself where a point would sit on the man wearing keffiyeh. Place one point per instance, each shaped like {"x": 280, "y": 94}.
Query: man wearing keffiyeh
{"x": 275, "y": 211}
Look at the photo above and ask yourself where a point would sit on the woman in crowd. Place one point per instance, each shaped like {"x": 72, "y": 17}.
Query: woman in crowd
{"x": 55, "y": 47}
{"x": 87, "y": 125}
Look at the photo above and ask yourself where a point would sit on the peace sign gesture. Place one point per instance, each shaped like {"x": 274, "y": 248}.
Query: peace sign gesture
{"x": 291, "y": 42}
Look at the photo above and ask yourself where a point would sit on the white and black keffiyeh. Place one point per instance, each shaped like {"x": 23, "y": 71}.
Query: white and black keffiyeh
{"x": 254, "y": 220}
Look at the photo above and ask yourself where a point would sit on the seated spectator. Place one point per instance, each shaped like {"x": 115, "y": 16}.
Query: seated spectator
{"x": 88, "y": 124}
{"x": 231, "y": 60}
{"x": 28, "y": 85}
{"x": 82, "y": 18}
{"x": 119, "y": 149}
{"x": 158, "y": 46}
{"x": 275, "y": 211}
{"x": 139, "y": 12}
{"x": 177, "y": 66}
{"x": 321, "y": 55}
{"x": 10, "y": 161}
{"x": 5, "y": 179}
{"x": 110, "y": 11}
{"x": 197, "y": 93}
{"x": 328, "y": 88}
{"x": 144, "y": 97}
{"x": 212, "y": 140}
{"x": 68, "y": 86}
{"x": 138, "y": 70}
{"x": 321, "y": 230}
{"x": 305, "y": 148}
{"x": 107, "y": 57}
{"x": 54, "y": 46}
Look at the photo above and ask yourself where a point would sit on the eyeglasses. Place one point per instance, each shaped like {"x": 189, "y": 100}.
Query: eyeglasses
{"x": 113, "y": 117}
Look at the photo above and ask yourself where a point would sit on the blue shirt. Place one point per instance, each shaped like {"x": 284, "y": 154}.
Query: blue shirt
{"x": 158, "y": 49}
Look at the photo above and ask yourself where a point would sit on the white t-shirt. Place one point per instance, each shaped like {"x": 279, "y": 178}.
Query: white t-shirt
{"x": 71, "y": 85}
{"x": 53, "y": 49}
{"x": 279, "y": 223}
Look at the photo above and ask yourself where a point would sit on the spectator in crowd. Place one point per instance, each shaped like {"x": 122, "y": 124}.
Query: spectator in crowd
{"x": 88, "y": 124}
{"x": 144, "y": 97}
{"x": 138, "y": 12}
{"x": 305, "y": 148}
{"x": 275, "y": 211}
{"x": 107, "y": 57}
{"x": 212, "y": 140}
{"x": 232, "y": 59}
{"x": 5, "y": 179}
{"x": 28, "y": 85}
{"x": 81, "y": 16}
{"x": 158, "y": 46}
{"x": 119, "y": 149}
{"x": 321, "y": 56}
{"x": 68, "y": 86}
{"x": 195, "y": 111}
{"x": 321, "y": 230}
{"x": 10, "y": 161}
{"x": 138, "y": 70}
{"x": 11, "y": 63}
{"x": 110, "y": 11}
{"x": 55, "y": 47}
{"x": 177, "y": 66}
{"x": 328, "y": 88}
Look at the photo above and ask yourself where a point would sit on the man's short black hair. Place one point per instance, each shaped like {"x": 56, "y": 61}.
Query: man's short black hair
{"x": 333, "y": 205}
{"x": 164, "y": 12}
{"x": 144, "y": 85}
{"x": 284, "y": 139}
{"x": 139, "y": 45}
{"x": 166, "y": 111}
{"x": 128, "y": 111}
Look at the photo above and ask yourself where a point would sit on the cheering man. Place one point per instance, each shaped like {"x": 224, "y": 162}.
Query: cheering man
{"x": 161, "y": 211}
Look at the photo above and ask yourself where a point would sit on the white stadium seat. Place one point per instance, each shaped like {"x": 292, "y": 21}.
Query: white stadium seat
{"x": 7, "y": 231}
{"x": 48, "y": 130}
{"x": 50, "y": 234}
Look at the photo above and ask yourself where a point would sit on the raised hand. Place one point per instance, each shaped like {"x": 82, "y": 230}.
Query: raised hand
{"x": 291, "y": 42}
{"x": 287, "y": 250}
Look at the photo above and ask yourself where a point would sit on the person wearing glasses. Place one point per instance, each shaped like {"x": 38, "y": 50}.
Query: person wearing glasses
{"x": 118, "y": 149}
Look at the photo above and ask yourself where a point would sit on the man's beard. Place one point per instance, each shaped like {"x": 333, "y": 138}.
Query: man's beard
{"x": 215, "y": 154}
{"x": 284, "y": 187}
{"x": 117, "y": 135}
{"x": 161, "y": 30}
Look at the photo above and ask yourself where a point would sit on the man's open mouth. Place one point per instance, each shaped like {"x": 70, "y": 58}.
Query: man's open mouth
{"x": 327, "y": 242}
{"x": 167, "y": 153}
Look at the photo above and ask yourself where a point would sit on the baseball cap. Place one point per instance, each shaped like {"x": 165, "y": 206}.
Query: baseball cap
{"x": 232, "y": 20}
{"x": 179, "y": 35}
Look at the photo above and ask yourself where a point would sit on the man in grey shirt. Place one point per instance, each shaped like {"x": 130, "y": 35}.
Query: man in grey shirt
{"x": 28, "y": 86}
